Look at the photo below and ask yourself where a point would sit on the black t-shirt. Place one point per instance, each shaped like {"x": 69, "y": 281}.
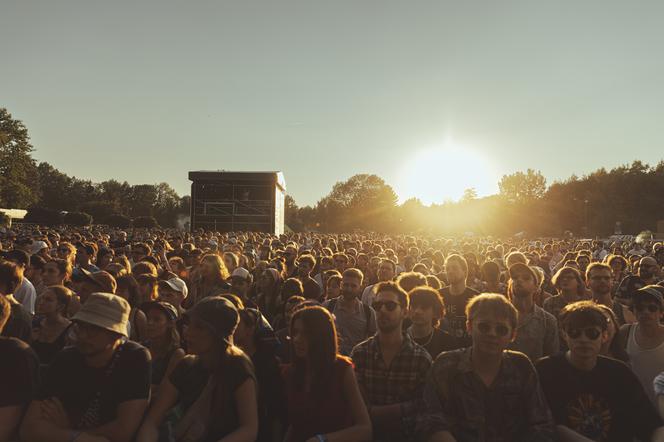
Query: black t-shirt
{"x": 438, "y": 342}
{"x": 271, "y": 394}
{"x": 605, "y": 404}
{"x": 19, "y": 373}
{"x": 19, "y": 324}
{"x": 455, "y": 313}
{"x": 190, "y": 377}
{"x": 76, "y": 384}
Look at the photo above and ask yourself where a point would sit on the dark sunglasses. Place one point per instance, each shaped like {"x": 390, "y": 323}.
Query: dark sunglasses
{"x": 590, "y": 332}
{"x": 652, "y": 308}
{"x": 499, "y": 329}
{"x": 390, "y": 305}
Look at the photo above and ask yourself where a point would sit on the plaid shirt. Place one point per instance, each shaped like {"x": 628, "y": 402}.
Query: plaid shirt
{"x": 401, "y": 382}
{"x": 456, "y": 400}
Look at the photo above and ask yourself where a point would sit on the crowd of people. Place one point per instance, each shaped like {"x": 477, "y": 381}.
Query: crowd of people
{"x": 163, "y": 335}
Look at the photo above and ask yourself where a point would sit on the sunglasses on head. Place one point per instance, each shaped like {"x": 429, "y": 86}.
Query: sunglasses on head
{"x": 390, "y": 305}
{"x": 652, "y": 308}
{"x": 590, "y": 332}
{"x": 500, "y": 330}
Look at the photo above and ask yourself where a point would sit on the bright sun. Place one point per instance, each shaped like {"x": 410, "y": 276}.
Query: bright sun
{"x": 438, "y": 174}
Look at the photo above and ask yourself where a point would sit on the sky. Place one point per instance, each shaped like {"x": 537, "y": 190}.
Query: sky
{"x": 433, "y": 96}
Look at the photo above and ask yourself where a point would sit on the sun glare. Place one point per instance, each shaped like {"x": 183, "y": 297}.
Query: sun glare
{"x": 439, "y": 174}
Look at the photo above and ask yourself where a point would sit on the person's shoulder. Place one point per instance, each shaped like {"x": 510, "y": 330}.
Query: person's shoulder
{"x": 618, "y": 368}
{"x": 448, "y": 360}
{"x": 135, "y": 351}
{"x": 19, "y": 311}
{"x": 343, "y": 362}
{"x": 518, "y": 359}
{"x": 550, "y": 362}
{"x": 12, "y": 348}
{"x": 471, "y": 292}
{"x": 548, "y": 317}
{"x": 363, "y": 348}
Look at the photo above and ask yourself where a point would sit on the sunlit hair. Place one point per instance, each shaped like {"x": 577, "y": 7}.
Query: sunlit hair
{"x": 460, "y": 260}
{"x": 490, "y": 272}
{"x": 128, "y": 284}
{"x": 234, "y": 299}
{"x": 571, "y": 270}
{"x": 428, "y": 297}
{"x": 617, "y": 258}
{"x": 233, "y": 258}
{"x": 492, "y": 304}
{"x": 514, "y": 257}
{"x": 144, "y": 268}
{"x": 291, "y": 287}
{"x": 320, "y": 333}
{"x": 597, "y": 266}
{"x": 5, "y": 311}
{"x": 64, "y": 268}
{"x": 434, "y": 282}
{"x": 353, "y": 273}
{"x": 220, "y": 271}
{"x": 409, "y": 280}
{"x": 63, "y": 296}
{"x": 335, "y": 278}
{"x": 582, "y": 314}
{"x": 11, "y": 276}
{"x": 393, "y": 287}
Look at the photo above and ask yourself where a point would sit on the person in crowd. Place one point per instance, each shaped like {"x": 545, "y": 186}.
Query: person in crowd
{"x": 282, "y": 325}
{"x": 231, "y": 261}
{"x": 333, "y": 285}
{"x": 57, "y": 272}
{"x": 255, "y": 337}
{"x": 390, "y": 367}
{"x": 325, "y": 264}
{"x": 210, "y": 281}
{"x": 387, "y": 271}
{"x": 410, "y": 280}
{"x": 66, "y": 251}
{"x": 129, "y": 289}
{"x": 354, "y": 320}
{"x": 612, "y": 348}
{"x": 426, "y": 311}
{"x": 619, "y": 270}
{"x": 592, "y": 396}
{"x": 97, "y": 390}
{"x": 85, "y": 253}
{"x": 485, "y": 392}
{"x": 174, "y": 291}
{"x": 49, "y": 332}
{"x": 213, "y": 388}
{"x": 324, "y": 400}
{"x": 571, "y": 288}
{"x": 19, "y": 378}
{"x": 241, "y": 280}
{"x": 104, "y": 258}
{"x": 35, "y": 273}
{"x": 312, "y": 290}
{"x": 490, "y": 272}
{"x": 269, "y": 293}
{"x": 25, "y": 293}
{"x": 162, "y": 340}
{"x": 644, "y": 340}
{"x": 456, "y": 296}
{"x": 647, "y": 274}
{"x": 291, "y": 287}
{"x": 19, "y": 324}
{"x": 537, "y": 330}
{"x": 86, "y": 283}
{"x": 599, "y": 280}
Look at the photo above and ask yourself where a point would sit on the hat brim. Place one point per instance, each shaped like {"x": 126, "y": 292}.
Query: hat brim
{"x": 101, "y": 322}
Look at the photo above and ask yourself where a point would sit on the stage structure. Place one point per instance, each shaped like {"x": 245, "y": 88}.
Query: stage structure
{"x": 238, "y": 201}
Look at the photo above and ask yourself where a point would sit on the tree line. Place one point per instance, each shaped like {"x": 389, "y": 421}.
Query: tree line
{"x": 47, "y": 192}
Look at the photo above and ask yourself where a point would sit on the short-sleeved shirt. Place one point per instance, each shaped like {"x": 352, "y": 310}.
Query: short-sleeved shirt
{"x": 606, "y": 404}
{"x": 69, "y": 379}
{"x": 537, "y": 334}
{"x": 19, "y": 373}
{"x": 455, "y": 313}
{"x": 455, "y": 399}
{"x": 438, "y": 342}
{"x": 190, "y": 377}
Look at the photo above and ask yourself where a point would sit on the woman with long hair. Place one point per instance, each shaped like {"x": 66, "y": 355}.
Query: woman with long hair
{"x": 129, "y": 289}
{"x": 49, "y": 332}
{"x": 269, "y": 289}
{"x": 324, "y": 400}
{"x": 213, "y": 388}
{"x": 209, "y": 280}
{"x": 162, "y": 339}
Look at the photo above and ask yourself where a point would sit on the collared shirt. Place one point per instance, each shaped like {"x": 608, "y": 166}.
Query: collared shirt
{"x": 26, "y": 295}
{"x": 512, "y": 409}
{"x": 401, "y": 382}
{"x": 537, "y": 334}
{"x": 352, "y": 326}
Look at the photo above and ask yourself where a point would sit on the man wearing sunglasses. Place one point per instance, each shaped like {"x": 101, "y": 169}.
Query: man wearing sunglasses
{"x": 644, "y": 341}
{"x": 391, "y": 368}
{"x": 485, "y": 392}
{"x": 593, "y": 397}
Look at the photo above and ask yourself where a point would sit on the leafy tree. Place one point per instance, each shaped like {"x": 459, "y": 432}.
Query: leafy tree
{"x": 18, "y": 173}
{"x": 77, "y": 219}
{"x": 117, "y": 220}
{"x": 522, "y": 187}
{"x": 54, "y": 188}
{"x": 43, "y": 216}
{"x": 5, "y": 220}
{"x": 469, "y": 194}
{"x": 145, "y": 222}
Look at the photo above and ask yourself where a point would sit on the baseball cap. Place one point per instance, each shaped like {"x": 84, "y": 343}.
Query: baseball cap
{"x": 37, "y": 246}
{"x": 102, "y": 279}
{"x": 218, "y": 314}
{"x": 520, "y": 267}
{"x": 241, "y": 272}
{"x": 653, "y": 291}
{"x": 176, "y": 284}
{"x": 105, "y": 310}
{"x": 165, "y": 307}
